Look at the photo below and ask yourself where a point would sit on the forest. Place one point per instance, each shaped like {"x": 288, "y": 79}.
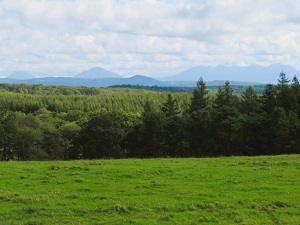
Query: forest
{"x": 64, "y": 123}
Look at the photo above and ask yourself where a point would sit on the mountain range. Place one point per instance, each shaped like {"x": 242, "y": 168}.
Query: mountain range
{"x": 255, "y": 73}
{"x": 213, "y": 76}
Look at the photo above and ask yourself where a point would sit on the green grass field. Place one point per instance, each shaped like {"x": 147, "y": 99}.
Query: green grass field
{"x": 236, "y": 190}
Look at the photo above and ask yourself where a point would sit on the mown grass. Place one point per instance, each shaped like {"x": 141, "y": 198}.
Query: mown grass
{"x": 236, "y": 190}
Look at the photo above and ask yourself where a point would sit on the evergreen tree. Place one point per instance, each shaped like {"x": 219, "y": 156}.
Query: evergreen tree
{"x": 225, "y": 119}
{"x": 283, "y": 82}
{"x": 173, "y": 129}
{"x": 225, "y": 96}
{"x": 225, "y": 123}
{"x": 296, "y": 95}
{"x": 254, "y": 134}
{"x": 249, "y": 101}
{"x": 200, "y": 97}
{"x": 200, "y": 135}
{"x": 150, "y": 138}
{"x": 268, "y": 99}
{"x": 295, "y": 81}
{"x": 284, "y": 94}
{"x": 170, "y": 107}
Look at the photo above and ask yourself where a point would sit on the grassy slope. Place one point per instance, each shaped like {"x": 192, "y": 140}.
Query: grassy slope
{"x": 237, "y": 190}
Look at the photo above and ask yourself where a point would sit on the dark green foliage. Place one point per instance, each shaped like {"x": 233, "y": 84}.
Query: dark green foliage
{"x": 255, "y": 136}
{"x": 284, "y": 93}
{"x": 285, "y": 131}
{"x": 269, "y": 99}
{"x": 225, "y": 96}
{"x": 105, "y": 134}
{"x": 200, "y": 127}
{"x": 150, "y": 138}
{"x": 170, "y": 107}
{"x": 70, "y": 132}
{"x": 29, "y": 138}
{"x": 62, "y": 123}
{"x": 174, "y": 142}
{"x": 8, "y": 130}
{"x": 225, "y": 125}
{"x": 200, "y": 97}
{"x": 250, "y": 101}
{"x": 295, "y": 96}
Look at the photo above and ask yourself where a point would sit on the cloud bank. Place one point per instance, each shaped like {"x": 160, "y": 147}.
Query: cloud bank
{"x": 150, "y": 37}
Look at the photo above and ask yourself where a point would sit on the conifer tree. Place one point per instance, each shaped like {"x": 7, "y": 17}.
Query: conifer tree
{"x": 200, "y": 96}
{"x": 170, "y": 107}
{"x": 225, "y": 96}
{"x": 284, "y": 93}
{"x": 296, "y": 95}
{"x": 250, "y": 101}
{"x": 268, "y": 99}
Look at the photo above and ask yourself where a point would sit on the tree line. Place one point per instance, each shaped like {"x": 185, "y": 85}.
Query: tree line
{"x": 39, "y": 89}
{"x": 237, "y": 89}
{"x": 164, "y": 125}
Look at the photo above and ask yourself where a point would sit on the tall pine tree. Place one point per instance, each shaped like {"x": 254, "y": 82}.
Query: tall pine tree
{"x": 170, "y": 107}
{"x": 200, "y": 97}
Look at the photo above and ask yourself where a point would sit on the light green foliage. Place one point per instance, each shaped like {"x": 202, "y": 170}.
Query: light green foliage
{"x": 236, "y": 190}
{"x": 110, "y": 99}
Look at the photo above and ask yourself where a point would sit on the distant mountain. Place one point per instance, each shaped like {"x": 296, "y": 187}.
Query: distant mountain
{"x": 259, "y": 74}
{"x": 97, "y": 73}
{"x": 73, "y": 81}
{"x": 20, "y": 75}
{"x": 213, "y": 76}
{"x": 142, "y": 80}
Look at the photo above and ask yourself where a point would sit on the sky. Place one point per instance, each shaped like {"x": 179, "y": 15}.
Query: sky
{"x": 151, "y": 37}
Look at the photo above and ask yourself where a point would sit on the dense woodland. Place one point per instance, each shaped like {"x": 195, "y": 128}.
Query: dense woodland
{"x": 62, "y": 123}
{"x": 237, "y": 89}
{"x": 68, "y": 90}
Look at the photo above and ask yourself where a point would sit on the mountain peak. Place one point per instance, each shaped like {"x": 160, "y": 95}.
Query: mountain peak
{"x": 97, "y": 73}
{"x": 20, "y": 75}
{"x": 142, "y": 80}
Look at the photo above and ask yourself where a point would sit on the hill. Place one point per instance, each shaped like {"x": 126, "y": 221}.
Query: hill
{"x": 142, "y": 80}
{"x": 20, "y": 75}
{"x": 97, "y": 73}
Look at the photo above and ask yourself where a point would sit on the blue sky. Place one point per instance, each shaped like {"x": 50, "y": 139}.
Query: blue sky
{"x": 149, "y": 37}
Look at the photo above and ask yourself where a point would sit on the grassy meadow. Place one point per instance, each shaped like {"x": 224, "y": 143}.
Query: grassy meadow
{"x": 235, "y": 190}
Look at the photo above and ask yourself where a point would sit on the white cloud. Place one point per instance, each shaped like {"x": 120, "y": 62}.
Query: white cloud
{"x": 152, "y": 37}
